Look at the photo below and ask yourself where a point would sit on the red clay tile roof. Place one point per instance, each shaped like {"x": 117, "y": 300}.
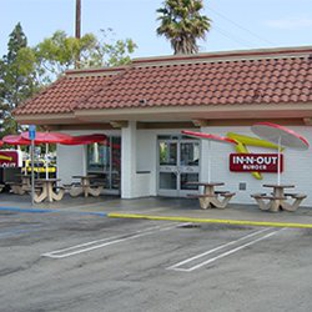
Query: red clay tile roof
{"x": 275, "y": 80}
{"x": 61, "y": 96}
{"x": 260, "y": 77}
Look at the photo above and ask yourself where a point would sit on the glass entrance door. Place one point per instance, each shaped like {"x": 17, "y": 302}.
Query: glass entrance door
{"x": 178, "y": 163}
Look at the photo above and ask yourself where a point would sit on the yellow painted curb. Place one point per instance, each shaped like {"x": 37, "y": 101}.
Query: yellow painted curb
{"x": 201, "y": 220}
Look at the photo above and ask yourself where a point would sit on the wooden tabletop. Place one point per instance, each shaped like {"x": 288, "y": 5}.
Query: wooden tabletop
{"x": 84, "y": 176}
{"x": 28, "y": 176}
{"x": 48, "y": 180}
{"x": 206, "y": 183}
{"x": 279, "y": 185}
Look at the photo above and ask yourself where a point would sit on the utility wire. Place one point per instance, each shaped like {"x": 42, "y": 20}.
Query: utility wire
{"x": 231, "y": 37}
{"x": 241, "y": 27}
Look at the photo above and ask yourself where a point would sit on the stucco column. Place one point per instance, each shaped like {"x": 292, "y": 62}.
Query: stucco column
{"x": 128, "y": 160}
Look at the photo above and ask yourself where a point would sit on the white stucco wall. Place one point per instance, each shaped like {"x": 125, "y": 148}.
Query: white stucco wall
{"x": 142, "y": 182}
{"x": 70, "y": 161}
{"x": 146, "y": 163}
{"x": 142, "y": 169}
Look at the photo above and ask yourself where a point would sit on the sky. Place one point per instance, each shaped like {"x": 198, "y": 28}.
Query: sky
{"x": 236, "y": 24}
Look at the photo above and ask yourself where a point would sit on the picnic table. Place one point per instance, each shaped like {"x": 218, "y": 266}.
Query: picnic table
{"x": 210, "y": 197}
{"x": 47, "y": 189}
{"x": 22, "y": 186}
{"x": 85, "y": 186}
{"x": 279, "y": 199}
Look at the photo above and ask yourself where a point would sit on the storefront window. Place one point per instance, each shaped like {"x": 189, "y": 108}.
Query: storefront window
{"x": 104, "y": 159}
{"x": 98, "y": 157}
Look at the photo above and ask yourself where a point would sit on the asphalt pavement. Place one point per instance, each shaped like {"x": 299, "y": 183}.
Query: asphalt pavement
{"x": 164, "y": 208}
{"x": 151, "y": 254}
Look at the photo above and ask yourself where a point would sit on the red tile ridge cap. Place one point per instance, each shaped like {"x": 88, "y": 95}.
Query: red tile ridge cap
{"x": 269, "y": 53}
{"x": 102, "y": 71}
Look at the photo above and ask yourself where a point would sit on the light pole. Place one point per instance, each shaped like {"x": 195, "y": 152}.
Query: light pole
{"x": 78, "y": 29}
{"x": 78, "y": 19}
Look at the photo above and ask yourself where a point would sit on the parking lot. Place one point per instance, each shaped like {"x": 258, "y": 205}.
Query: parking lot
{"x": 72, "y": 261}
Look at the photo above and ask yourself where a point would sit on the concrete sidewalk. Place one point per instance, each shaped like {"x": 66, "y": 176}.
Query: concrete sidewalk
{"x": 161, "y": 208}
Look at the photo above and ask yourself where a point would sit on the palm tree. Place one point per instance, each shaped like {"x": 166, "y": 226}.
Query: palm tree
{"x": 182, "y": 24}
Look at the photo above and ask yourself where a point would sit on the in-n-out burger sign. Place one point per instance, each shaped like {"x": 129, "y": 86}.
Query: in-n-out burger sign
{"x": 255, "y": 162}
{"x": 10, "y": 159}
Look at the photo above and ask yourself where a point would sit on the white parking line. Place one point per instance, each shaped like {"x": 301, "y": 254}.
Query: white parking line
{"x": 78, "y": 249}
{"x": 179, "y": 266}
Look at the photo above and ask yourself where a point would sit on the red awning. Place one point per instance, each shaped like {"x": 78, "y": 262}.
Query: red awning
{"x": 86, "y": 139}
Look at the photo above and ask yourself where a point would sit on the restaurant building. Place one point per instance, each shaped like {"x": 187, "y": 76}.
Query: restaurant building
{"x": 144, "y": 106}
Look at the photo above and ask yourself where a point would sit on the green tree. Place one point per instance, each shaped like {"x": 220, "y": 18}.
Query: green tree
{"x": 17, "y": 73}
{"x": 60, "y": 52}
{"x": 17, "y": 41}
{"x": 25, "y": 70}
{"x": 182, "y": 24}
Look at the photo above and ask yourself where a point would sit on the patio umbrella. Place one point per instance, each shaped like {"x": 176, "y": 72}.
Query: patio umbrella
{"x": 48, "y": 138}
{"x": 283, "y": 137}
{"x": 15, "y": 140}
{"x": 209, "y": 137}
{"x": 86, "y": 139}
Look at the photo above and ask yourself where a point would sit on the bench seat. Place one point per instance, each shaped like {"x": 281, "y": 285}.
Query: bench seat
{"x": 16, "y": 183}
{"x": 220, "y": 192}
{"x": 228, "y": 194}
{"x": 97, "y": 184}
{"x": 59, "y": 188}
{"x": 296, "y": 195}
{"x": 270, "y": 197}
{"x": 202, "y": 195}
